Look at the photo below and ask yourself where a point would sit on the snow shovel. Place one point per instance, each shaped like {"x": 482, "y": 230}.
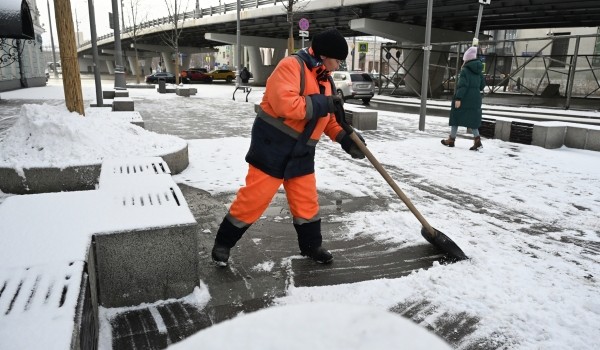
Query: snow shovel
{"x": 432, "y": 235}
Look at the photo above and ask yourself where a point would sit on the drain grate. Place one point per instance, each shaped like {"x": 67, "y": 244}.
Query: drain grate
{"x": 40, "y": 287}
{"x": 168, "y": 197}
{"x": 487, "y": 128}
{"x": 118, "y": 168}
{"x": 521, "y": 133}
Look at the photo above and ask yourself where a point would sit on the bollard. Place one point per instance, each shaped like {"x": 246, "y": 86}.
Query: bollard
{"x": 162, "y": 88}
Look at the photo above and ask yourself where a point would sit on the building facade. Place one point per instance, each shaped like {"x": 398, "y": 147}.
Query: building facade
{"x": 23, "y": 64}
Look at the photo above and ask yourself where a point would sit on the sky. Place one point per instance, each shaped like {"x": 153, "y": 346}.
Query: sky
{"x": 526, "y": 216}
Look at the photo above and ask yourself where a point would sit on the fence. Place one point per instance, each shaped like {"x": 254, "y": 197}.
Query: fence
{"x": 551, "y": 66}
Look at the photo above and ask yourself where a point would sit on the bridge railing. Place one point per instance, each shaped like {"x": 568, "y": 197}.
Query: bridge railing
{"x": 196, "y": 13}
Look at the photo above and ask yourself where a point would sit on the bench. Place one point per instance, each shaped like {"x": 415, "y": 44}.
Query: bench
{"x": 186, "y": 92}
{"x": 362, "y": 120}
{"x": 122, "y": 104}
{"x": 111, "y": 94}
{"x": 545, "y": 134}
{"x": 244, "y": 88}
{"x": 130, "y": 241}
{"x": 137, "y": 265}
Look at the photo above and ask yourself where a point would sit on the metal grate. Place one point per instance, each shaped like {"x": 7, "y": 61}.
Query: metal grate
{"x": 142, "y": 167}
{"x": 38, "y": 287}
{"x": 487, "y": 128}
{"x": 521, "y": 133}
{"x": 158, "y": 198}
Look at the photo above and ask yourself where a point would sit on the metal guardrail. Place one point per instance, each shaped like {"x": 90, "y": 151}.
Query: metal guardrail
{"x": 196, "y": 13}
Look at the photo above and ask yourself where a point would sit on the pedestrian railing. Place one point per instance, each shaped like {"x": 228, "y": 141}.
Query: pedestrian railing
{"x": 194, "y": 14}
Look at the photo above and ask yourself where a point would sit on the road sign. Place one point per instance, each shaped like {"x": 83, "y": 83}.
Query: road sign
{"x": 363, "y": 47}
{"x": 303, "y": 33}
{"x": 303, "y": 24}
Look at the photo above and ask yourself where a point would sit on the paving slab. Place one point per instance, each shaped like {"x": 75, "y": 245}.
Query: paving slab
{"x": 263, "y": 264}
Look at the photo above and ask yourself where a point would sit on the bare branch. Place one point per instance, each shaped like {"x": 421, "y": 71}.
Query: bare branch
{"x": 176, "y": 21}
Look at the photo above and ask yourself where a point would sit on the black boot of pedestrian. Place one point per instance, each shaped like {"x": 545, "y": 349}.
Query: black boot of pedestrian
{"x": 310, "y": 240}
{"x": 227, "y": 236}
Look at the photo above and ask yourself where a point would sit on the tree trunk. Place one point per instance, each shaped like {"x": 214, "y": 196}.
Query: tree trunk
{"x": 68, "y": 56}
{"x": 137, "y": 63}
{"x": 290, "y": 18}
{"x": 177, "y": 65}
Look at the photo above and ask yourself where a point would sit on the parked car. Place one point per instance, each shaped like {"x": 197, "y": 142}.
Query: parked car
{"x": 495, "y": 80}
{"x": 354, "y": 85}
{"x": 153, "y": 78}
{"x": 222, "y": 74}
{"x": 394, "y": 80}
{"x": 195, "y": 75}
{"x": 376, "y": 76}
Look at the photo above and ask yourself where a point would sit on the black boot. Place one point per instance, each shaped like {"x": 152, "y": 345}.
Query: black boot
{"x": 227, "y": 236}
{"x": 310, "y": 239}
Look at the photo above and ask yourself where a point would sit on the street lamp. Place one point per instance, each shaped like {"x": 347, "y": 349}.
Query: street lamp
{"x": 481, "y": 4}
{"x": 425, "y": 75}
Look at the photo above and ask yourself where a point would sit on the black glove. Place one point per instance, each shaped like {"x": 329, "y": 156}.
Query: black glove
{"x": 334, "y": 100}
{"x": 350, "y": 146}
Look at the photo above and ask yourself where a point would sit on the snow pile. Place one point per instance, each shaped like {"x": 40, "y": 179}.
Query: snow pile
{"x": 316, "y": 326}
{"x": 51, "y": 136}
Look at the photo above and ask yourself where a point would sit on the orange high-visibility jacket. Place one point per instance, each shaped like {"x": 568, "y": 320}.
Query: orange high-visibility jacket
{"x": 283, "y": 144}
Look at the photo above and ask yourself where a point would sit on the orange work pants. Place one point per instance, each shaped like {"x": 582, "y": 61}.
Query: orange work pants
{"x": 253, "y": 199}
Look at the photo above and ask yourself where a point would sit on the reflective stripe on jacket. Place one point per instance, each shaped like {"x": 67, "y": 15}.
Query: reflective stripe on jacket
{"x": 280, "y": 145}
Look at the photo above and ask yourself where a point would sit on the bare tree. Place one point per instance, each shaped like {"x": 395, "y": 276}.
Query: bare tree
{"x": 289, "y": 7}
{"x": 171, "y": 37}
{"x": 134, "y": 19}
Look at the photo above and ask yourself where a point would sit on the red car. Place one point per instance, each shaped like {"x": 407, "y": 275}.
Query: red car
{"x": 195, "y": 75}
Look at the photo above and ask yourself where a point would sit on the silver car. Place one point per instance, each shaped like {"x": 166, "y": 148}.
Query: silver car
{"x": 354, "y": 85}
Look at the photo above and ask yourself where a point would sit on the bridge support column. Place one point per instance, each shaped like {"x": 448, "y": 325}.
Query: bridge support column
{"x": 134, "y": 68}
{"x": 111, "y": 67}
{"x": 267, "y": 54}
{"x": 168, "y": 63}
{"x": 260, "y": 71}
{"x": 278, "y": 55}
{"x": 147, "y": 66}
{"x": 185, "y": 60}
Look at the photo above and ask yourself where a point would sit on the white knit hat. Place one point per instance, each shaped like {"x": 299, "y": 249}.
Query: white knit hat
{"x": 470, "y": 54}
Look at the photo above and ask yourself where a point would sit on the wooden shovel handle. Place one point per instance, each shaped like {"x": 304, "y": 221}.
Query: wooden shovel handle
{"x": 392, "y": 183}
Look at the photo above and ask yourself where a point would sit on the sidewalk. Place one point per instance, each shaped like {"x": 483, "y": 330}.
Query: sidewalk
{"x": 526, "y": 216}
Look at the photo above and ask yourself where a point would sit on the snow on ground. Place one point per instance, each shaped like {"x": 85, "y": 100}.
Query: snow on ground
{"x": 526, "y": 216}
{"x": 295, "y": 327}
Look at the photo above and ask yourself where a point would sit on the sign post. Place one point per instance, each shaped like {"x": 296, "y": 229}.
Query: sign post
{"x": 303, "y": 25}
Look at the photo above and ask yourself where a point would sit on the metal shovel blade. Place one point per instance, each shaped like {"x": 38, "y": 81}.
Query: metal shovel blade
{"x": 443, "y": 242}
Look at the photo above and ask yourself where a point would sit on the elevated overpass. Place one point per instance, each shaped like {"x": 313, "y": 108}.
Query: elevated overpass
{"x": 268, "y": 18}
{"x": 402, "y": 20}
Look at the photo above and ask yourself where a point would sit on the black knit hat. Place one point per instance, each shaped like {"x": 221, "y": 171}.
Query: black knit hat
{"x": 330, "y": 43}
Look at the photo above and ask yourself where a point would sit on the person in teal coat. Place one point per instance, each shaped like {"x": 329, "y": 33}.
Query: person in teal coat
{"x": 466, "y": 103}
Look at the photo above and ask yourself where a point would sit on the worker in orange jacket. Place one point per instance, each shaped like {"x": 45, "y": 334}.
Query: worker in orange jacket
{"x": 297, "y": 108}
